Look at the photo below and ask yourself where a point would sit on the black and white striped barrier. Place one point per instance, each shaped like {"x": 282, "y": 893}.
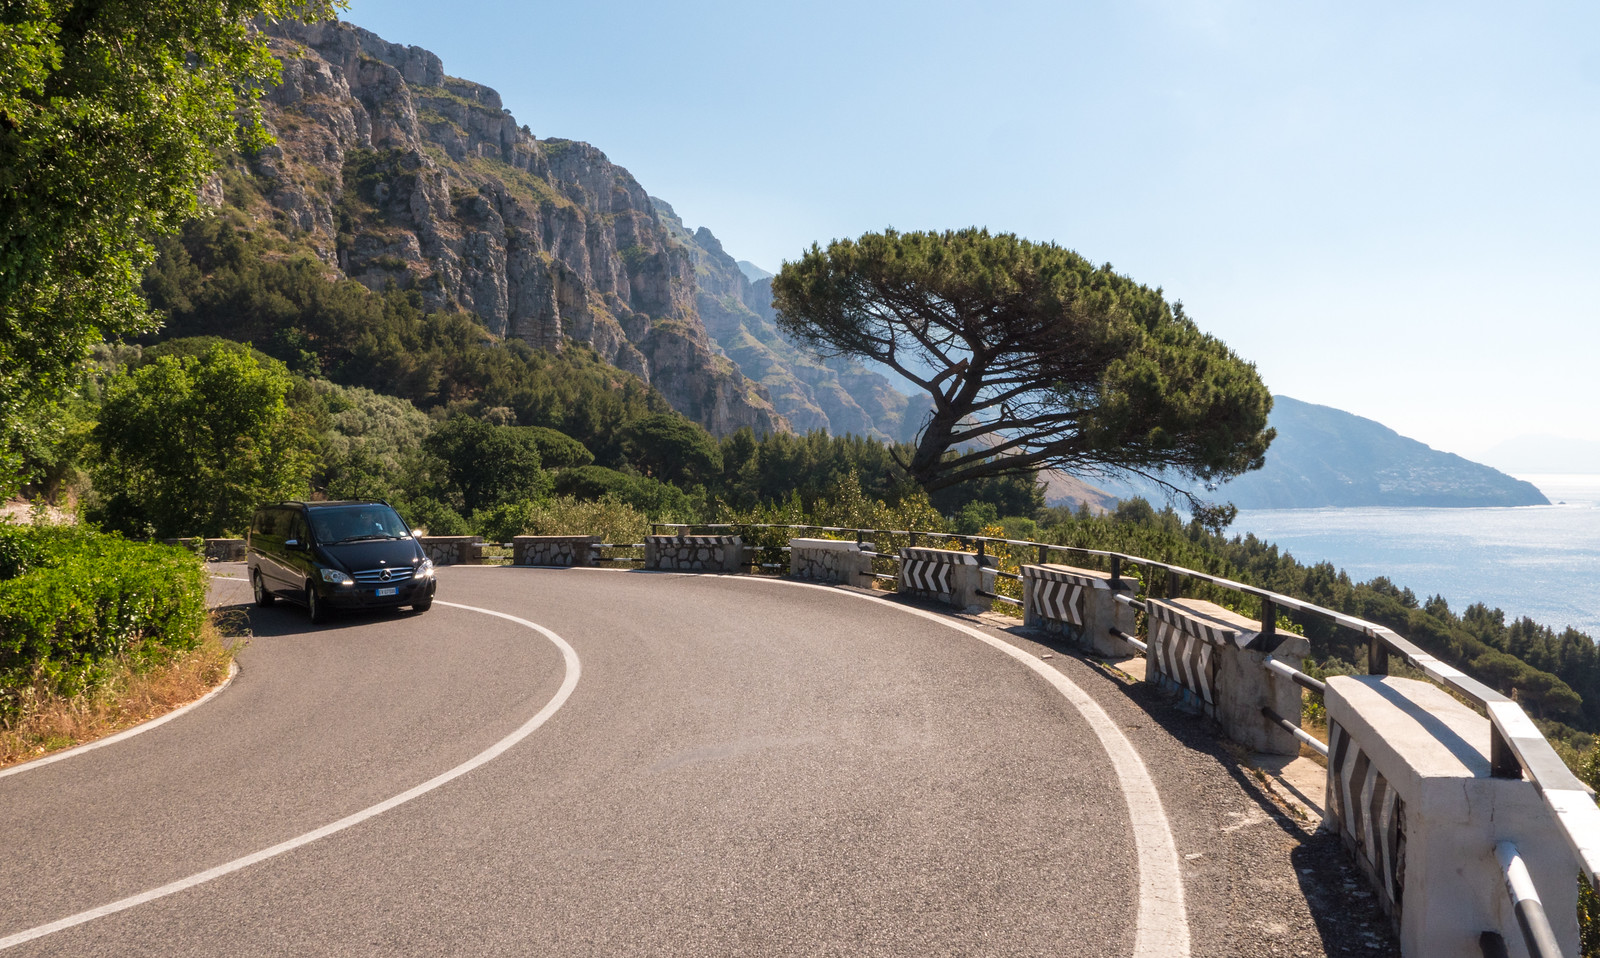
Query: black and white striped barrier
{"x": 945, "y": 575}
{"x": 694, "y": 553}
{"x": 1081, "y": 604}
{"x": 1218, "y": 659}
{"x": 1412, "y": 794}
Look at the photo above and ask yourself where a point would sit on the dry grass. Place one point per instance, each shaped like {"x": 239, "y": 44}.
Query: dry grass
{"x": 51, "y": 723}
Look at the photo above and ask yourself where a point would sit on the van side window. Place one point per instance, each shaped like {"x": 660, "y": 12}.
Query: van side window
{"x": 295, "y": 527}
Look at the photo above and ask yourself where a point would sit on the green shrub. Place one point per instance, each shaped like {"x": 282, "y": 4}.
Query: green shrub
{"x": 610, "y": 519}
{"x": 75, "y": 603}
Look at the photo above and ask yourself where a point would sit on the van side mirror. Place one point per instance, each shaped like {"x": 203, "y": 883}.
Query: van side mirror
{"x": 292, "y": 544}
{"x": 417, "y": 533}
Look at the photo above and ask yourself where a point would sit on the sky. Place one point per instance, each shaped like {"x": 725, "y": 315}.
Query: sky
{"x": 1391, "y": 208}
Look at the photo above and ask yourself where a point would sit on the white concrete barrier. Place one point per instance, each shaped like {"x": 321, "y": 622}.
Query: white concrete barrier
{"x": 1217, "y": 659}
{"x": 945, "y": 575}
{"x": 1081, "y": 604}
{"x": 1410, "y": 793}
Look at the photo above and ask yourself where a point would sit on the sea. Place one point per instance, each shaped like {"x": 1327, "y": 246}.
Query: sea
{"x": 1542, "y": 562}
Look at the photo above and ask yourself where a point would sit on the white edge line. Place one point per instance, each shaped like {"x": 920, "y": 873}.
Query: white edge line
{"x": 1163, "y": 923}
{"x": 141, "y": 728}
{"x": 569, "y": 656}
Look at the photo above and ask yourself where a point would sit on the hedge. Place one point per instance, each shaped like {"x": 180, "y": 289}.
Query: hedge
{"x": 76, "y": 604}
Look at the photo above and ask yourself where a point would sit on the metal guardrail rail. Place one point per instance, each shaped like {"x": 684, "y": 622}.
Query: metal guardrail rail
{"x": 1516, "y": 746}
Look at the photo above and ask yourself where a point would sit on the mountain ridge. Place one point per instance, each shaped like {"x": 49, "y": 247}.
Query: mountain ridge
{"x": 393, "y": 173}
{"x": 1326, "y": 457}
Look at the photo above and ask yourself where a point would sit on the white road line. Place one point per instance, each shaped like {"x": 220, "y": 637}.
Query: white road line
{"x": 141, "y": 728}
{"x": 569, "y": 656}
{"x": 1162, "y": 930}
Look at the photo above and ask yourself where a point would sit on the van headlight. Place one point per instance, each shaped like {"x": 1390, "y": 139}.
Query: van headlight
{"x": 425, "y": 571}
{"x": 335, "y": 576}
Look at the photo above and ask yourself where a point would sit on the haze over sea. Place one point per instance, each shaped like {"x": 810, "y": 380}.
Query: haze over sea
{"x": 1542, "y": 562}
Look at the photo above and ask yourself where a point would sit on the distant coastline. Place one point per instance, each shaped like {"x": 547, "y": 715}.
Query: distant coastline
{"x": 1541, "y": 562}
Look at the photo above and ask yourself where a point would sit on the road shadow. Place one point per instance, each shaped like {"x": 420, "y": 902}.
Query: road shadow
{"x": 244, "y": 620}
{"x": 1345, "y": 912}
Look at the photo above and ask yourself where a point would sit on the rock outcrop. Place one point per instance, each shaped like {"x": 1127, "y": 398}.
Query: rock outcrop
{"x": 837, "y": 395}
{"x": 392, "y": 172}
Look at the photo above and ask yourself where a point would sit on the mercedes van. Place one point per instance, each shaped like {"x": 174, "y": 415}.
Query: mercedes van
{"x": 352, "y": 554}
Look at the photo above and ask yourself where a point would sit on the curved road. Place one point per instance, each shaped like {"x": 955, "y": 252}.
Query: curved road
{"x": 671, "y": 765}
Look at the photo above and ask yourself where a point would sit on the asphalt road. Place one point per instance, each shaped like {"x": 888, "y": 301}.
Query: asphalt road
{"x": 686, "y": 765}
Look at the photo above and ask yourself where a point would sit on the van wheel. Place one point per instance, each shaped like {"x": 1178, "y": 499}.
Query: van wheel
{"x": 263, "y": 597}
{"x": 316, "y": 606}
{"x": 422, "y": 606}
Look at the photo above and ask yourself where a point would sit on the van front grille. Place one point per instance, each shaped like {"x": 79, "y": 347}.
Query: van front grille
{"x": 399, "y": 573}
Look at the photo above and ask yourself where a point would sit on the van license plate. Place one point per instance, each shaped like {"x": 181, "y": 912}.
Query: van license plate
{"x": 391, "y": 590}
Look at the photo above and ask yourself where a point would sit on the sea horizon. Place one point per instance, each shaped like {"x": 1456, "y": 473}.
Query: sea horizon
{"x": 1538, "y": 562}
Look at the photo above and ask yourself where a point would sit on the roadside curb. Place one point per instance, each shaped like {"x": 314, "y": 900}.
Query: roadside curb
{"x": 127, "y": 733}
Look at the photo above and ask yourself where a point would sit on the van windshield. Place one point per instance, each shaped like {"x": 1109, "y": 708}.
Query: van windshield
{"x": 352, "y": 523}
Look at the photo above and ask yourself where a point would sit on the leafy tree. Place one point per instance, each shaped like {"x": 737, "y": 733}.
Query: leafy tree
{"x": 112, "y": 113}
{"x": 669, "y": 447}
{"x": 1033, "y": 357}
{"x": 485, "y": 464}
{"x": 189, "y": 445}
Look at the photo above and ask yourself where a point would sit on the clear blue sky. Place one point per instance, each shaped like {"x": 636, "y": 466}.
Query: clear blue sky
{"x": 1390, "y": 208}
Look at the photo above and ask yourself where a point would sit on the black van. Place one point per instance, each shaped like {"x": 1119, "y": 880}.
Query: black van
{"x": 328, "y": 555}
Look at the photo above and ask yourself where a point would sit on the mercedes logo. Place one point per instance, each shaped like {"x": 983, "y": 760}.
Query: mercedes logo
{"x": 384, "y": 575}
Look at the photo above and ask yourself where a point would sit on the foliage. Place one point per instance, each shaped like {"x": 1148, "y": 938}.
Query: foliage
{"x": 772, "y": 467}
{"x": 74, "y": 603}
{"x": 112, "y": 113}
{"x": 1033, "y": 357}
{"x": 671, "y": 448}
{"x": 189, "y": 445}
{"x": 370, "y": 442}
{"x": 660, "y": 501}
{"x": 609, "y": 519}
{"x": 222, "y": 279}
{"x": 485, "y": 465}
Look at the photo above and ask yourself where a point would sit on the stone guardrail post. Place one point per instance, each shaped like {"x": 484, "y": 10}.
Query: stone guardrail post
{"x": 1217, "y": 659}
{"x": 225, "y": 550}
{"x": 1081, "y": 604}
{"x": 694, "y": 553}
{"x": 831, "y": 560}
{"x": 453, "y": 550}
{"x": 1411, "y": 795}
{"x": 559, "y": 551}
{"x": 946, "y": 575}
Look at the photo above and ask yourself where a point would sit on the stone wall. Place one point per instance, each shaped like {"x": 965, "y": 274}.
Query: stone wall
{"x": 694, "y": 553}
{"x": 563, "y": 551}
{"x": 830, "y": 560}
{"x": 453, "y": 550}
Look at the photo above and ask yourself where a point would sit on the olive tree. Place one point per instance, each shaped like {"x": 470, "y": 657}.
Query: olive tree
{"x": 1033, "y": 357}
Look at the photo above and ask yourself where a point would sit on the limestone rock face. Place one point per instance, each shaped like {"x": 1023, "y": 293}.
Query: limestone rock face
{"x": 837, "y": 395}
{"x": 393, "y": 172}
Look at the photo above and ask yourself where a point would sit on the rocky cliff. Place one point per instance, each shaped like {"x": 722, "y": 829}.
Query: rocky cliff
{"x": 392, "y": 172}
{"x": 838, "y": 395}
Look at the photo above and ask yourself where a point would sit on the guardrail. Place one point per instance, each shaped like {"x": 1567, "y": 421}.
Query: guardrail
{"x": 1516, "y": 747}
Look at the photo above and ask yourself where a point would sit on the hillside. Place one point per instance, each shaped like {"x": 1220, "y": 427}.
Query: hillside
{"x": 395, "y": 174}
{"x": 1326, "y": 457}
{"x": 837, "y": 395}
